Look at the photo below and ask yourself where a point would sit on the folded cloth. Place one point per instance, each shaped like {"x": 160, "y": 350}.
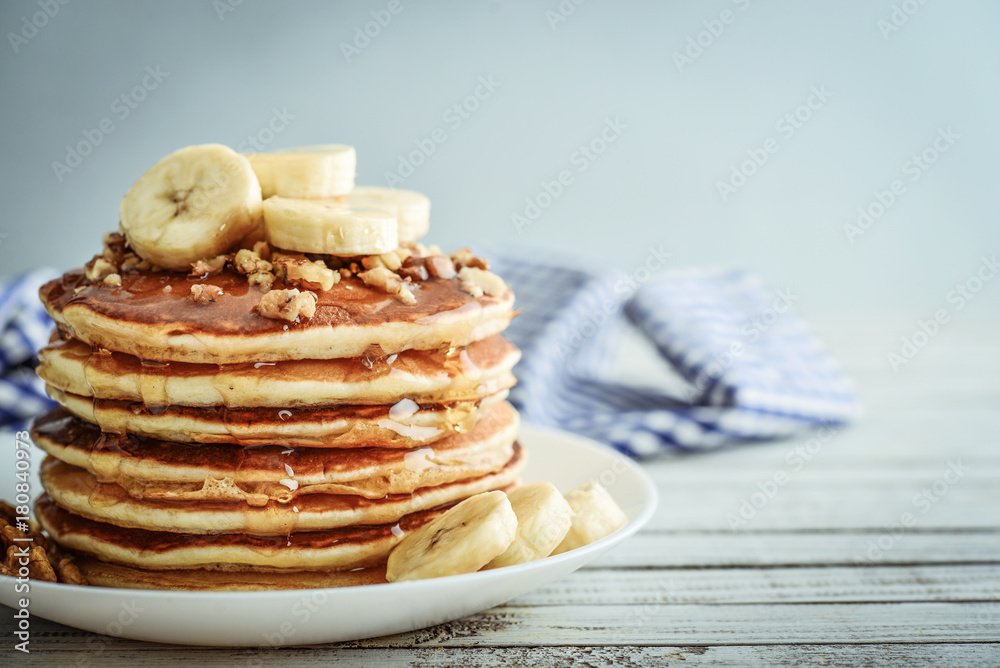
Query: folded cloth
{"x": 24, "y": 328}
{"x": 746, "y": 368}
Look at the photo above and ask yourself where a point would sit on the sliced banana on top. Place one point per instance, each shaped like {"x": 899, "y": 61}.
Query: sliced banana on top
{"x": 596, "y": 516}
{"x": 462, "y": 540}
{"x": 326, "y": 226}
{"x": 195, "y": 203}
{"x": 543, "y": 520}
{"x": 413, "y": 209}
{"x": 309, "y": 172}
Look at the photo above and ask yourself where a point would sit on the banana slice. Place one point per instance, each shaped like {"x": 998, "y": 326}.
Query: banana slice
{"x": 310, "y": 172}
{"x": 195, "y": 203}
{"x": 325, "y": 226}
{"x": 597, "y": 515}
{"x": 413, "y": 209}
{"x": 543, "y": 520}
{"x": 462, "y": 540}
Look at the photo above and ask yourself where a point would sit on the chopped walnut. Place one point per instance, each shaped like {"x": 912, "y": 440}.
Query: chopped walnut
{"x": 440, "y": 266}
{"x": 44, "y": 561}
{"x": 310, "y": 274}
{"x": 203, "y": 294}
{"x": 463, "y": 257}
{"x": 345, "y": 273}
{"x": 100, "y": 269}
{"x": 287, "y": 305}
{"x": 380, "y": 277}
{"x": 373, "y": 261}
{"x": 66, "y": 569}
{"x": 392, "y": 260}
{"x": 262, "y": 279}
{"x": 114, "y": 239}
{"x": 333, "y": 262}
{"x": 210, "y": 266}
{"x": 114, "y": 280}
{"x": 415, "y": 272}
{"x": 249, "y": 262}
{"x": 114, "y": 247}
{"x": 478, "y": 282}
{"x": 133, "y": 261}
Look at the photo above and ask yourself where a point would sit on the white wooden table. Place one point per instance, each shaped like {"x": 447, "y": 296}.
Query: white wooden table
{"x": 786, "y": 587}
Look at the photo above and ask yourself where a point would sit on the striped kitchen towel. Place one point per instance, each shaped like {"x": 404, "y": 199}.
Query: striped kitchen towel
{"x": 24, "y": 328}
{"x": 740, "y": 365}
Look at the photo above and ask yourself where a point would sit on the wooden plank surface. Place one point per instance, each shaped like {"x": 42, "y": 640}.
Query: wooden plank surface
{"x": 820, "y": 573}
{"x": 800, "y": 548}
{"x": 931, "y": 655}
{"x": 683, "y": 624}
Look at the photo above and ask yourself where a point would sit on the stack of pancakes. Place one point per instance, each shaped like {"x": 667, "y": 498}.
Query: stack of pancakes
{"x": 202, "y": 446}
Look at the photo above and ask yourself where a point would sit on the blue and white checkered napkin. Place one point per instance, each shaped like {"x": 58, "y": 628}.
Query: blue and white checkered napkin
{"x": 24, "y": 328}
{"x": 746, "y": 367}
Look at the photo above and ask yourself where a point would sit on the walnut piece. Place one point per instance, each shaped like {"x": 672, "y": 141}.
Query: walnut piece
{"x": 203, "y": 294}
{"x": 478, "y": 282}
{"x": 440, "y": 266}
{"x": 133, "y": 261}
{"x": 249, "y": 262}
{"x": 210, "y": 266}
{"x": 262, "y": 279}
{"x": 415, "y": 272}
{"x": 114, "y": 247}
{"x": 287, "y": 305}
{"x": 42, "y": 560}
{"x": 114, "y": 280}
{"x": 309, "y": 274}
{"x": 463, "y": 257}
{"x": 100, "y": 269}
{"x": 392, "y": 260}
{"x": 380, "y": 277}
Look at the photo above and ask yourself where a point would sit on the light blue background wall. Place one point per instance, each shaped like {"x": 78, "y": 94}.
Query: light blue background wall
{"x": 656, "y": 184}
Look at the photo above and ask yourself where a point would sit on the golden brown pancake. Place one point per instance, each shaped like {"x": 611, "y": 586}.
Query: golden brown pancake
{"x": 150, "y": 316}
{"x": 337, "y": 426}
{"x": 103, "y": 574}
{"x": 79, "y": 492}
{"x": 150, "y": 468}
{"x": 336, "y": 549}
{"x": 432, "y": 376}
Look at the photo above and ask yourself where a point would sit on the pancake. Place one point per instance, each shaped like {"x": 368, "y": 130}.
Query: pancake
{"x": 103, "y": 574}
{"x": 148, "y": 468}
{"x": 444, "y": 374}
{"x": 337, "y": 426}
{"x": 336, "y": 549}
{"x": 79, "y": 492}
{"x": 149, "y": 316}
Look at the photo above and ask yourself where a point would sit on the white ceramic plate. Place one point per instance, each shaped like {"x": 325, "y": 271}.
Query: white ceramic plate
{"x": 308, "y": 616}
